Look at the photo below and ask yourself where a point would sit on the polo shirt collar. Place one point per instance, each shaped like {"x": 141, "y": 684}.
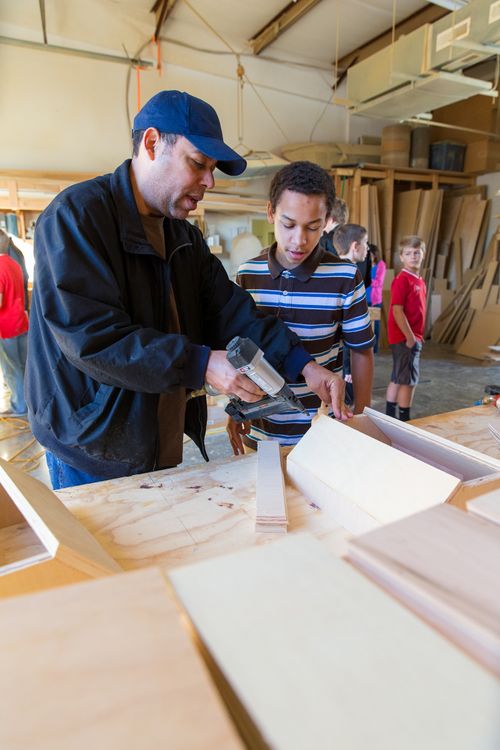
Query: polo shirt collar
{"x": 302, "y": 272}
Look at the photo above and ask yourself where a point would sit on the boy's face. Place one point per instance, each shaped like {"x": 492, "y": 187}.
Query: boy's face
{"x": 360, "y": 250}
{"x": 411, "y": 258}
{"x": 298, "y": 224}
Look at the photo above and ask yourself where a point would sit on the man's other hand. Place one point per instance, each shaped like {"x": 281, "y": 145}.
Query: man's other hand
{"x": 236, "y": 431}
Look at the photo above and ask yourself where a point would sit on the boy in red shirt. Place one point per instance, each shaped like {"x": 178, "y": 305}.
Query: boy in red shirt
{"x": 405, "y": 329}
{"x": 13, "y": 329}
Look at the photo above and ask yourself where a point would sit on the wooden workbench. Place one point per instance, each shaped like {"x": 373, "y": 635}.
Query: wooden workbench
{"x": 178, "y": 516}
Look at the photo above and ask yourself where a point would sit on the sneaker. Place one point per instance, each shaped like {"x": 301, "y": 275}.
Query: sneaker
{"x": 10, "y": 413}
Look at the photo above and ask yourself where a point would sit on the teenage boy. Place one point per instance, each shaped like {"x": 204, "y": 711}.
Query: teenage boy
{"x": 405, "y": 329}
{"x": 338, "y": 216}
{"x": 319, "y": 296}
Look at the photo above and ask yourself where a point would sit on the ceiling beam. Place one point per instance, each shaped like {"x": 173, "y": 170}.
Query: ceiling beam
{"x": 280, "y": 23}
{"x": 162, "y": 9}
{"x": 428, "y": 14}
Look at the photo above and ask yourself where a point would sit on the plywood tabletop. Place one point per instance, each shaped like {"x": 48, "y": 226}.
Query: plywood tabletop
{"x": 178, "y": 516}
{"x": 467, "y": 427}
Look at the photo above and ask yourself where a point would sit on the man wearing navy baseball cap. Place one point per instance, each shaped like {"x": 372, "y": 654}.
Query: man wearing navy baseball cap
{"x": 131, "y": 312}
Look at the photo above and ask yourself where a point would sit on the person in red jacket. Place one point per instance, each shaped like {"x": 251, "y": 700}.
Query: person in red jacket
{"x": 13, "y": 329}
{"x": 405, "y": 328}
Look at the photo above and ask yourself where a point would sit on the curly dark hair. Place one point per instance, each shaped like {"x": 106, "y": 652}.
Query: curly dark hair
{"x": 302, "y": 177}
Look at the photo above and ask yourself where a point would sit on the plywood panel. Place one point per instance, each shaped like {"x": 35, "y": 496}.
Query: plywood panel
{"x": 105, "y": 664}
{"x": 310, "y": 654}
{"x": 445, "y": 565}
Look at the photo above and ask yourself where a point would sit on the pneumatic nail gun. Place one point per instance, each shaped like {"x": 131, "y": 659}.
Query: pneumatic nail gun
{"x": 247, "y": 358}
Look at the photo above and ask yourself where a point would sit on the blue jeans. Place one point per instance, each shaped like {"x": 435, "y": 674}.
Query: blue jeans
{"x": 63, "y": 475}
{"x": 13, "y": 362}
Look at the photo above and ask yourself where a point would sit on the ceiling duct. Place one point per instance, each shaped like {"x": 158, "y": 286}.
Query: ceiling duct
{"x": 412, "y": 76}
{"x": 465, "y": 37}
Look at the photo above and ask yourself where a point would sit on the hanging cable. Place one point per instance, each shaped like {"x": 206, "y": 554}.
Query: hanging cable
{"x": 236, "y": 54}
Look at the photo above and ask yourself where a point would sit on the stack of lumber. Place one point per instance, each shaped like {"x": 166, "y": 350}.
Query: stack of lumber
{"x": 418, "y": 212}
{"x": 471, "y": 321}
{"x": 106, "y": 664}
{"x": 271, "y": 512}
{"x": 369, "y": 214}
{"x": 445, "y": 565}
{"x": 308, "y": 653}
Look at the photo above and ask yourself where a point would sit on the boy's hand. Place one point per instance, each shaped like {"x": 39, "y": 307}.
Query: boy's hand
{"x": 235, "y": 431}
{"x": 329, "y": 386}
{"x": 411, "y": 341}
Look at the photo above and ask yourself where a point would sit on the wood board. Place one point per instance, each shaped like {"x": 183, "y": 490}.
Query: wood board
{"x": 484, "y": 330}
{"x": 487, "y": 506}
{"x": 324, "y": 466}
{"x": 105, "y": 664}
{"x": 44, "y": 544}
{"x": 270, "y": 514}
{"x": 332, "y": 661}
{"x": 445, "y": 565}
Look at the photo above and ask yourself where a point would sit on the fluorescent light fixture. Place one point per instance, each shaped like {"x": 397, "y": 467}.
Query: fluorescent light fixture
{"x": 450, "y": 4}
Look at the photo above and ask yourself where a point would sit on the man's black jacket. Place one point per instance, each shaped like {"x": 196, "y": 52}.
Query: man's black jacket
{"x": 98, "y": 354}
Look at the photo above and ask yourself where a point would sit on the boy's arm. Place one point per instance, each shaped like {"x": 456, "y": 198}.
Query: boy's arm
{"x": 403, "y": 325}
{"x": 362, "y": 377}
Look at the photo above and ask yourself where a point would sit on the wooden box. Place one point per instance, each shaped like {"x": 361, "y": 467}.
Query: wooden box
{"x": 375, "y": 469}
{"x": 41, "y": 543}
{"x": 482, "y": 157}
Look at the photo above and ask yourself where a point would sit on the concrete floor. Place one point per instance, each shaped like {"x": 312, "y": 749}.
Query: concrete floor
{"x": 447, "y": 382}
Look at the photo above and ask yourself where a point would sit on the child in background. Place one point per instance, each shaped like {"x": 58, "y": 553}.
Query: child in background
{"x": 374, "y": 291}
{"x": 406, "y": 325}
{"x": 319, "y": 296}
{"x": 338, "y": 216}
{"x": 351, "y": 244}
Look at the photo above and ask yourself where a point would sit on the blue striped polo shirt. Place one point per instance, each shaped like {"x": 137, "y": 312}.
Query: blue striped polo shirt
{"x": 323, "y": 300}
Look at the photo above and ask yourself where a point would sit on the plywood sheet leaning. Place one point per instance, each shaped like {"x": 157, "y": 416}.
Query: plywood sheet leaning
{"x": 487, "y": 506}
{"x": 484, "y": 330}
{"x": 310, "y": 654}
{"x": 270, "y": 503}
{"x": 445, "y": 565}
{"x": 406, "y": 210}
{"x": 43, "y": 544}
{"x": 325, "y": 467}
{"x": 105, "y": 664}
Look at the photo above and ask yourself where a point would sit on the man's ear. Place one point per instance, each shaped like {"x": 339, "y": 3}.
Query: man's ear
{"x": 270, "y": 213}
{"x": 151, "y": 140}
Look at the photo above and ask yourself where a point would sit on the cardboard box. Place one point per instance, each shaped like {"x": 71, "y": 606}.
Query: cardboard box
{"x": 482, "y": 156}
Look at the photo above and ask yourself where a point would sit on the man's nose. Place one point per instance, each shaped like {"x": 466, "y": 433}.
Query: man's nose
{"x": 208, "y": 179}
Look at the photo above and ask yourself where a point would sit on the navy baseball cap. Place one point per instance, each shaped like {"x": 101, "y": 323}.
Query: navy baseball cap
{"x": 183, "y": 114}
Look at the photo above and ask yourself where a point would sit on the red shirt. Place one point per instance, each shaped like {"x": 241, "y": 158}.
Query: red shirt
{"x": 409, "y": 291}
{"x": 13, "y": 318}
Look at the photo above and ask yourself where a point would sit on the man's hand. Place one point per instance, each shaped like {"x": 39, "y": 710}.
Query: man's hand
{"x": 235, "y": 431}
{"x": 329, "y": 386}
{"x": 225, "y": 379}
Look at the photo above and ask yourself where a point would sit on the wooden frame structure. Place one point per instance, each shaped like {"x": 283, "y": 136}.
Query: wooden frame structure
{"x": 42, "y": 544}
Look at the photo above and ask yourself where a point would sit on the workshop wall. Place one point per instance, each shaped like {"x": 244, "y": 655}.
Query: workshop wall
{"x": 66, "y": 113}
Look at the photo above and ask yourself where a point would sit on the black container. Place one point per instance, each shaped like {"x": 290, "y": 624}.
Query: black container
{"x": 447, "y": 156}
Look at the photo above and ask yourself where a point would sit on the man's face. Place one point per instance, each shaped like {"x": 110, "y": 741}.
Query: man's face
{"x": 298, "y": 223}
{"x": 411, "y": 258}
{"x": 177, "y": 179}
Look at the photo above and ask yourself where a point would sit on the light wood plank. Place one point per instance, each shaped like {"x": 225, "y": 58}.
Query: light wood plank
{"x": 355, "y": 670}
{"x": 270, "y": 512}
{"x": 487, "y": 506}
{"x": 105, "y": 664}
{"x": 445, "y": 565}
{"x": 324, "y": 466}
